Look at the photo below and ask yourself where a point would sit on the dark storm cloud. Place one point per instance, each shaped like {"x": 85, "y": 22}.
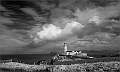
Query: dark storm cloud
{"x": 45, "y": 18}
{"x": 104, "y": 3}
{"x": 23, "y": 12}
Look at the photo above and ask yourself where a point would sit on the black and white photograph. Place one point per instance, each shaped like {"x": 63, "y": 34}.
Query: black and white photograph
{"x": 59, "y": 35}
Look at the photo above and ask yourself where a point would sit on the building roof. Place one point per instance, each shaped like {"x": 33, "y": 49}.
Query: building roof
{"x": 72, "y": 51}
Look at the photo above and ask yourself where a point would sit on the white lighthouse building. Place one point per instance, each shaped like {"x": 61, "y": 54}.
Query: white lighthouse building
{"x": 71, "y": 54}
{"x": 68, "y": 52}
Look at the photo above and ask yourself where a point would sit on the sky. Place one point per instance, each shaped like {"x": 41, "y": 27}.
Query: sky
{"x": 42, "y": 26}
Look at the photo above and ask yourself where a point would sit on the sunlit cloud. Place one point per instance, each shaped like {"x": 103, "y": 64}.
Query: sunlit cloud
{"x": 52, "y": 32}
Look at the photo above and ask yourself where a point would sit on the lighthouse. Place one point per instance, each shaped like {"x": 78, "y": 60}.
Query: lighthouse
{"x": 65, "y": 48}
{"x": 71, "y": 52}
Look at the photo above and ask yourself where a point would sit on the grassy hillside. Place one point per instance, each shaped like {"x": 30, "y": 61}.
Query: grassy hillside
{"x": 85, "y": 67}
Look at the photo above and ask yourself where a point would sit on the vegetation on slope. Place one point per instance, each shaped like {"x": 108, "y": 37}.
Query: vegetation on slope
{"x": 85, "y": 67}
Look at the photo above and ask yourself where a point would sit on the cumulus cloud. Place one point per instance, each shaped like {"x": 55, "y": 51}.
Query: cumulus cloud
{"x": 86, "y": 22}
{"x": 53, "y": 32}
{"x": 49, "y": 32}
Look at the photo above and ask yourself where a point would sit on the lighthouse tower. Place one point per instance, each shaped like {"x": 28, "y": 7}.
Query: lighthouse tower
{"x": 65, "y": 48}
